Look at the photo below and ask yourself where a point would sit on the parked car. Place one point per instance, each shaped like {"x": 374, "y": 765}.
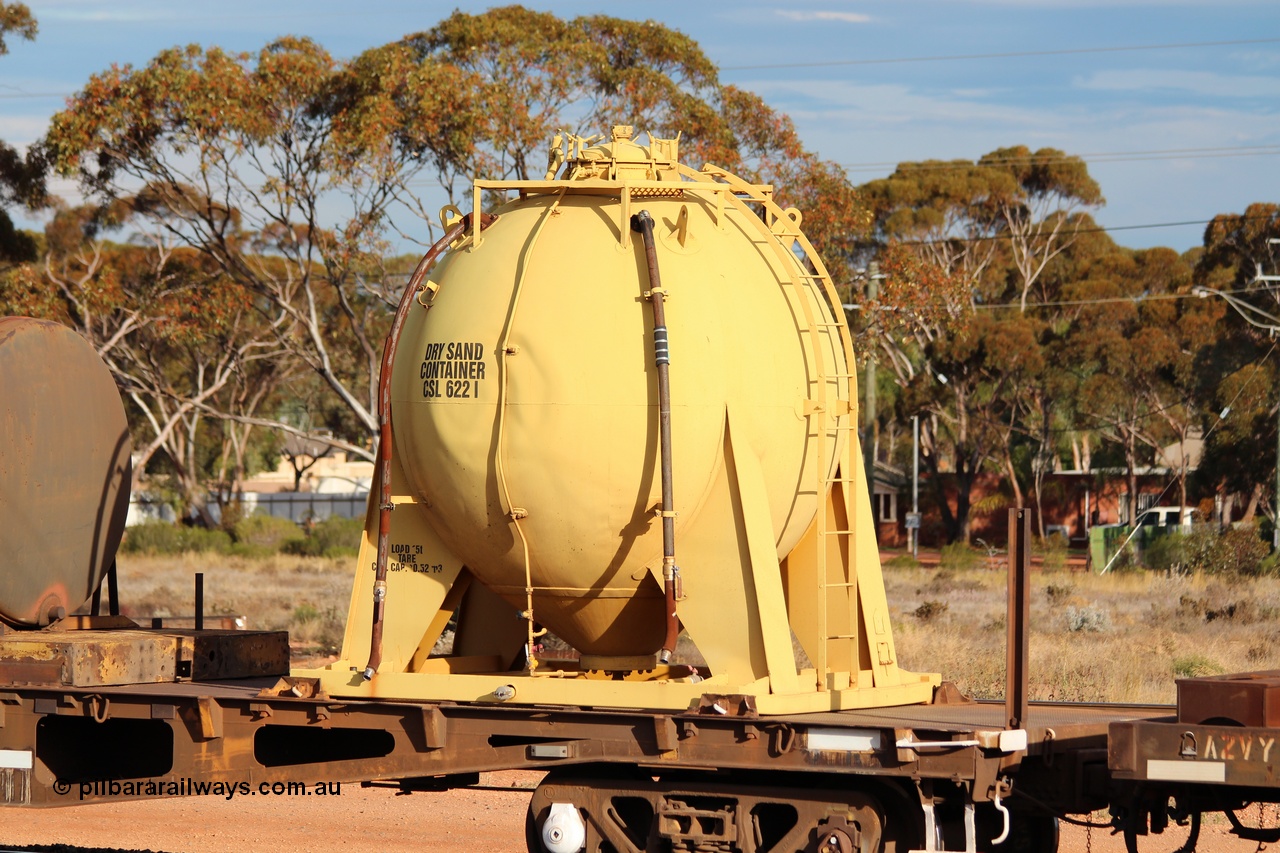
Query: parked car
{"x": 1167, "y": 516}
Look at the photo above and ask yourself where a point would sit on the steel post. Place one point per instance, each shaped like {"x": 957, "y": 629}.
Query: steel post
{"x": 1018, "y": 618}
{"x": 915, "y": 484}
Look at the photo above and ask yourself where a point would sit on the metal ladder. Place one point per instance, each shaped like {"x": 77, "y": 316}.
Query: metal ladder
{"x": 827, "y": 406}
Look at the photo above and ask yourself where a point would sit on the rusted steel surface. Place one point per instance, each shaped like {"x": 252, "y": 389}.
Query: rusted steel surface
{"x": 632, "y": 815}
{"x": 216, "y": 655}
{"x": 64, "y": 470}
{"x": 274, "y": 729}
{"x": 1246, "y": 699}
{"x": 1180, "y": 753}
{"x": 122, "y": 656}
{"x": 1019, "y": 617}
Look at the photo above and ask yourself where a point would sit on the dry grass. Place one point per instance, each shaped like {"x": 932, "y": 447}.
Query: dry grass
{"x": 308, "y": 596}
{"x": 1118, "y": 638}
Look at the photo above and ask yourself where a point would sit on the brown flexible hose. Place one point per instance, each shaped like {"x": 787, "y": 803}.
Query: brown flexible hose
{"x": 384, "y": 429}
{"x": 643, "y": 223}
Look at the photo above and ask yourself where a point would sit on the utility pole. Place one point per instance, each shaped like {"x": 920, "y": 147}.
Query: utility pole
{"x": 1271, "y": 323}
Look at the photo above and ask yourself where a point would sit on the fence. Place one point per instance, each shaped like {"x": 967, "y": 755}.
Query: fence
{"x": 295, "y": 506}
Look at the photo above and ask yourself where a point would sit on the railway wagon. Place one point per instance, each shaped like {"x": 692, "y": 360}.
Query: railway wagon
{"x": 618, "y": 409}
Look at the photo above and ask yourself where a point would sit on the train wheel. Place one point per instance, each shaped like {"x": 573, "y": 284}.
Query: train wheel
{"x": 634, "y": 813}
{"x": 1193, "y": 836}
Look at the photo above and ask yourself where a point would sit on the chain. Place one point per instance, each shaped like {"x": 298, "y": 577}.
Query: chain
{"x": 1088, "y": 836}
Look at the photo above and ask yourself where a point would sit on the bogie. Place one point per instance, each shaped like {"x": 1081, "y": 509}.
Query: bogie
{"x": 635, "y": 813}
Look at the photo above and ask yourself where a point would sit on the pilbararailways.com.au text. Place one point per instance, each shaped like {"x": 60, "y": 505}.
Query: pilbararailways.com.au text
{"x": 192, "y": 788}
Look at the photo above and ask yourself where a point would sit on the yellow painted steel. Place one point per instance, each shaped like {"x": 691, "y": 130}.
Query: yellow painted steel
{"x": 526, "y": 463}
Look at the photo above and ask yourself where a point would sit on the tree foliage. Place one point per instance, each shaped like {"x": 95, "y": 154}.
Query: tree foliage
{"x": 288, "y": 171}
{"x": 961, "y": 236}
{"x": 244, "y": 206}
{"x": 21, "y": 177}
{"x": 1241, "y": 449}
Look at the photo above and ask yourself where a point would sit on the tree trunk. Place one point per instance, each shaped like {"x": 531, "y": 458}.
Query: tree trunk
{"x": 1013, "y": 478}
{"x": 1251, "y": 508}
{"x": 1131, "y": 475}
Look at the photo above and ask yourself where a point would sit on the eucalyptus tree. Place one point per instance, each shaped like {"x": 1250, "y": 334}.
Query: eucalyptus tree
{"x": 21, "y": 177}
{"x": 972, "y": 236}
{"x": 1239, "y": 262}
{"x": 1137, "y": 343}
{"x": 292, "y": 172}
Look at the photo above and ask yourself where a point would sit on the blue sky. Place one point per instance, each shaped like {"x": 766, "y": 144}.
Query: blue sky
{"x": 1173, "y": 134}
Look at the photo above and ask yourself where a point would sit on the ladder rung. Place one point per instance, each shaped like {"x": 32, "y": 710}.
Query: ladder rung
{"x": 842, "y": 584}
{"x": 843, "y": 637}
{"x": 838, "y": 532}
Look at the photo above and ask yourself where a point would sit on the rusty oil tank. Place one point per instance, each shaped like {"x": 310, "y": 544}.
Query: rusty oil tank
{"x": 64, "y": 470}
{"x": 528, "y": 389}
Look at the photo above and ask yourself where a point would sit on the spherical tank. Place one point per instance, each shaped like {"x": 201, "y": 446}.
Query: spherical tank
{"x": 64, "y": 470}
{"x": 525, "y": 401}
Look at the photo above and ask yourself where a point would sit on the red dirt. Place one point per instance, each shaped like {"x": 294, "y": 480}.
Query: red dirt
{"x": 488, "y": 818}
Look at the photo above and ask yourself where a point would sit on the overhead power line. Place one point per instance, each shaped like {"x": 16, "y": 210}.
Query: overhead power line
{"x": 1068, "y": 303}
{"x": 897, "y": 60}
{"x": 13, "y": 96}
{"x": 1098, "y": 229}
{"x": 1090, "y": 158}
{"x": 1006, "y": 55}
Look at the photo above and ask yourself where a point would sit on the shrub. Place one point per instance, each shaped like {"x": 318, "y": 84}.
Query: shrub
{"x": 161, "y": 537}
{"x": 1197, "y": 547}
{"x": 942, "y": 582}
{"x": 1195, "y": 666}
{"x": 305, "y": 613}
{"x": 1245, "y": 611}
{"x": 1259, "y": 652}
{"x": 930, "y": 610}
{"x": 901, "y": 561}
{"x": 959, "y": 556}
{"x": 1088, "y": 619}
{"x": 1126, "y": 561}
{"x": 1167, "y": 552}
{"x": 1059, "y": 593}
{"x": 320, "y": 629}
{"x": 1191, "y": 607}
{"x": 267, "y": 532}
{"x": 333, "y": 537}
{"x": 1052, "y": 551}
{"x": 1054, "y": 561}
{"x": 1238, "y": 551}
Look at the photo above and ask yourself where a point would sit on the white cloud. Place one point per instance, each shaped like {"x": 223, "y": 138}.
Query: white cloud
{"x": 843, "y": 17}
{"x": 96, "y": 11}
{"x": 1197, "y": 82}
{"x": 1257, "y": 58}
{"x": 872, "y": 127}
{"x": 21, "y": 130}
